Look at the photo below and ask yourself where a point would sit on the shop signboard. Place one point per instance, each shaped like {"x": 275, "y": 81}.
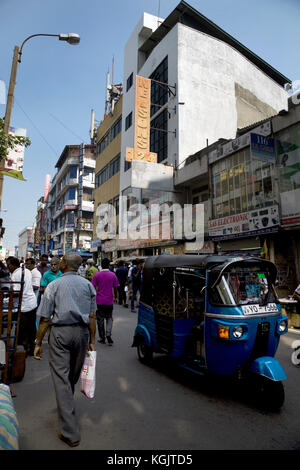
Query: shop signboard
{"x": 239, "y": 143}
{"x": 264, "y": 220}
{"x": 262, "y": 148}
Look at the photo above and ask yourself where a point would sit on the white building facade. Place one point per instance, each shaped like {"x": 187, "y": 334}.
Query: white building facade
{"x": 216, "y": 85}
{"x": 25, "y": 243}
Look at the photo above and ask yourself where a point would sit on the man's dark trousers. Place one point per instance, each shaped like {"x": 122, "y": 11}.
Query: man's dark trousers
{"x": 67, "y": 349}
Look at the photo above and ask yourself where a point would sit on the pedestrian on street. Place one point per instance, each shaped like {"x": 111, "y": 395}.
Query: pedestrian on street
{"x": 68, "y": 305}
{"x": 83, "y": 268}
{"x": 51, "y": 274}
{"x": 122, "y": 275}
{"x": 136, "y": 275}
{"x": 43, "y": 266}
{"x": 92, "y": 270}
{"x": 27, "y": 327}
{"x": 5, "y": 278}
{"x": 35, "y": 274}
{"x": 106, "y": 284}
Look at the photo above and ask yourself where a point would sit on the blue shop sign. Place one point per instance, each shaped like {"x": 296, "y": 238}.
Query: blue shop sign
{"x": 262, "y": 148}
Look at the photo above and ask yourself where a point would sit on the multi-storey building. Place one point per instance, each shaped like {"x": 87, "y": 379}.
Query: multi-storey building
{"x": 70, "y": 204}
{"x": 25, "y": 244}
{"x": 107, "y": 179}
{"x": 250, "y": 187}
{"x": 204, "y": 86}
{"x": 39, "y": 244}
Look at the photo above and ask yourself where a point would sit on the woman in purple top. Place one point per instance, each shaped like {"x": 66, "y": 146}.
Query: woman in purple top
{"x": 106, "y": 284}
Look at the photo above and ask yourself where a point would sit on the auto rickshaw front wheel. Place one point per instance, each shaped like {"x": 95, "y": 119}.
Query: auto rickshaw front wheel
{"x": 268, "y": 394}
{"x": 145, "y": 352}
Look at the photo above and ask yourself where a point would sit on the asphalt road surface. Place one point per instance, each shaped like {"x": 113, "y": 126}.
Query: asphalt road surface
{"x": 137, "y": 407}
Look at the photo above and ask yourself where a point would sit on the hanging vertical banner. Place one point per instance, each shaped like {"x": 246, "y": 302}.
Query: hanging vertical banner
{"x": 47, "y": 187}
{"x": 141, "y": 150}
{"x": 142, "y": 114}
{"x": 14, "y": 162}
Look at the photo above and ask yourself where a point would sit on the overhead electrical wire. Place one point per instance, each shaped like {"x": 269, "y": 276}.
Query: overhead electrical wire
{"x": 38, "y": 131}
{"x": 68, "y": 129}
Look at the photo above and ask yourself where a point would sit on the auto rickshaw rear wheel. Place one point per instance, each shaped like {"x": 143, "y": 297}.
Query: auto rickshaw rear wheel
{"x": 269, "y": 394}
{"x": 145, "y": 352}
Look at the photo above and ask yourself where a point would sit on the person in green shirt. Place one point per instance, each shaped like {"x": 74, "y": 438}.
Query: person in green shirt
{"x": 91, "y": 269}
{"x": 53, "y": 273}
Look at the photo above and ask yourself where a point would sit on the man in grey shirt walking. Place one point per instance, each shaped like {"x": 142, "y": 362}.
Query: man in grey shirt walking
{"x": 69, "y": 306}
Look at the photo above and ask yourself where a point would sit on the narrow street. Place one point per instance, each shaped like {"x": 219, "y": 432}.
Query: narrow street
{"x": 138, "y": 407}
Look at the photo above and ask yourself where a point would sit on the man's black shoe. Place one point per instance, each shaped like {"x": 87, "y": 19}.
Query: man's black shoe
{"x": 68, "y": 441}
{"x": 109, "y": 340}
{"x": 102, "y": 341}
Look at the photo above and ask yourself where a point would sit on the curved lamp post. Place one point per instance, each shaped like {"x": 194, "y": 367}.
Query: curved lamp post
{"x": 71, "y": 38}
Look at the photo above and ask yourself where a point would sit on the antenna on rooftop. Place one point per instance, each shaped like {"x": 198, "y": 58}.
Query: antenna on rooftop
{"x": 158, "y": 14}
{"x": 113, "y": 93}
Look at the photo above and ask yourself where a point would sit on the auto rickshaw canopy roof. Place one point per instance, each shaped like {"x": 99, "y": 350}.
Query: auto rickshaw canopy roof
{"x": 217, "y": 263}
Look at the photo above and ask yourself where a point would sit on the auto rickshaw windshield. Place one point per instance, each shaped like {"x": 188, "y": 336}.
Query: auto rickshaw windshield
{"x": 243, "y": 286}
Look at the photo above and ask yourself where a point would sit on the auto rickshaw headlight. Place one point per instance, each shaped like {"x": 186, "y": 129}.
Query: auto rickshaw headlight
{"x": 223, "y": 332}
{"x": 237, "y": 332}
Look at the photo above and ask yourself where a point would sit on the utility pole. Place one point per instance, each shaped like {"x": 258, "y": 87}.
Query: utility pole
{"x": 8, "y": 111}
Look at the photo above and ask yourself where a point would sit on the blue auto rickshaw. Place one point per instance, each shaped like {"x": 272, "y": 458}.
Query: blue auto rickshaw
{"x": 214, "y": 315}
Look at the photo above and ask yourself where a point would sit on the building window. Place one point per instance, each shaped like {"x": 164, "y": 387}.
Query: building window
{"x": 129, "y": 82}
{"x": 159, "y": 136}
{"x": 114, "y": 166}
{"x": 101, "y": 177}
{"x": 128, "y": 121}
{"x": 88, "y": 175}
{"x": 103, "y": 143}
{"x": 116, "y": 128}
{"x": 127, "y": 165}
{"x": 115, "y": 203}
{"x": 72, "y": 194}
{"x": 159, "y": 93}
{"x": 73, "y": 172}
{"x": 240, "y": 184}
{"x": 87, "y": 194}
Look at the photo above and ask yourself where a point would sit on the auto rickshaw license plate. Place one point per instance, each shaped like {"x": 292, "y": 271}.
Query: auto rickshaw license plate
{"x": 256, "y": 309}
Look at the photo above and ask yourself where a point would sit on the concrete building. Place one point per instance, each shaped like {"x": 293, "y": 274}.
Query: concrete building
{"x": 70, "y": 205}
{"x": 107, "y": 179}
{"x": 25, "y": 244}
{"x": 205, "y": 85}
{"x": 251, "y": 187}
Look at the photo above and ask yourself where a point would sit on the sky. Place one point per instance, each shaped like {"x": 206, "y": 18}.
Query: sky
{"x": 58, "y": 84}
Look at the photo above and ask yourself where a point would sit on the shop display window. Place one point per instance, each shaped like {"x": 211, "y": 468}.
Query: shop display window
{"x": 241, "y": 184}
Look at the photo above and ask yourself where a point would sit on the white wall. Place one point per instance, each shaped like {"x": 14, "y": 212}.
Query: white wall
{"x": 144, "y": 29}
{"x": 205, "y": 71}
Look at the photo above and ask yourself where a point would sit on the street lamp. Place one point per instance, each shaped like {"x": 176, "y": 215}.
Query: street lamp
{"x": 71, "y": 38}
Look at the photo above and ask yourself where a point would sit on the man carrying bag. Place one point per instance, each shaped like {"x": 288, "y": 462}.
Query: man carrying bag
{"x": 69, "y": 305}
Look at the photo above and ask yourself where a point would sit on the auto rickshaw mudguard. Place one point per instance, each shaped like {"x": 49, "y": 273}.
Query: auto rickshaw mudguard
{"x": 141, "y": 330}
{"x": 268, "y": 367}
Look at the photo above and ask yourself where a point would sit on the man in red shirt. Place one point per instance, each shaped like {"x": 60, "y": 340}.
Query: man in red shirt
{"x": 106, "y": 284}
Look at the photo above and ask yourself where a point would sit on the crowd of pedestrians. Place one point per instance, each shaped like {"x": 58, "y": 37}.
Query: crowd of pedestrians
{"x": 68, "y": 298}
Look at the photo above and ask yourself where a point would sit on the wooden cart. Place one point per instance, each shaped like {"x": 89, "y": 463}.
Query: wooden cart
{"x": 10, "y": 312}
